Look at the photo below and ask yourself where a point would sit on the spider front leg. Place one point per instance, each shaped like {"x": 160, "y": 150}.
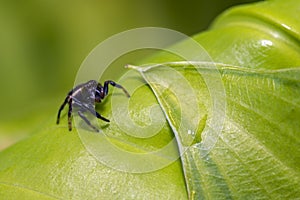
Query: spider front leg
{"x": 95, "y": 113}
{"x": 106, "y": 83}
{"x": 84, "y": 108}
{"x": 80, "y": 113}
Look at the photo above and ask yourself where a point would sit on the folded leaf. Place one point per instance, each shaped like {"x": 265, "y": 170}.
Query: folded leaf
{"x": 256, "y": 152}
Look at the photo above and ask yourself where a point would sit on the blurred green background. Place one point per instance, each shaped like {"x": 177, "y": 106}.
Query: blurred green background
{"x": 43, "y": 43}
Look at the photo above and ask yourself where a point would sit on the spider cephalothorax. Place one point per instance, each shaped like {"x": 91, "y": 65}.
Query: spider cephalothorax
{"x": 83, "y": 97}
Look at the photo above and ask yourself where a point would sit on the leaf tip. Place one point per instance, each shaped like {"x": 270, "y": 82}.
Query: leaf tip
{"x": 129, "y": 66}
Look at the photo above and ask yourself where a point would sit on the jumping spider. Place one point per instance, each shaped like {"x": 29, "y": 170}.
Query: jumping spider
{"x": 83, "y": 97}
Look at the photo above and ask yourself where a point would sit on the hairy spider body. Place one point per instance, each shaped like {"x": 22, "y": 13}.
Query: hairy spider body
{"x": 83, "y": 97}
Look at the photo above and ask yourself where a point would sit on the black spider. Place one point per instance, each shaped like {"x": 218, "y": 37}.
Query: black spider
{"x": 83, "y": 97}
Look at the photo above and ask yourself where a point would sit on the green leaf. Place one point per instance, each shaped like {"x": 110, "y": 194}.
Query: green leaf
{"x": 261, "y": 35}
{"x": 59, "y": 164}
{"x": 256, "y": 153}
{"x": 255, "y": 156}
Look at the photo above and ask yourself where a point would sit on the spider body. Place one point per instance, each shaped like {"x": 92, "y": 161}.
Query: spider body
{"x": 83, "y": 97}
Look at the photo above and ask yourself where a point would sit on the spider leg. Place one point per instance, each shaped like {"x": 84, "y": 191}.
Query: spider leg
{"x": 115, "y": 85}
{"x": 87, "y": 121}
{"x": 95, "y": 113}
{"x": 101, "y": 117}
{"x": 70, "y": 115}
{"x": 61, "y": 108}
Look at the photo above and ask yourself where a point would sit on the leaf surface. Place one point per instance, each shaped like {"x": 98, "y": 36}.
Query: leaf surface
{"x": 256, "y": 152}
{"x": 238, "y": 139}
{"x": 57, "y": 164}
